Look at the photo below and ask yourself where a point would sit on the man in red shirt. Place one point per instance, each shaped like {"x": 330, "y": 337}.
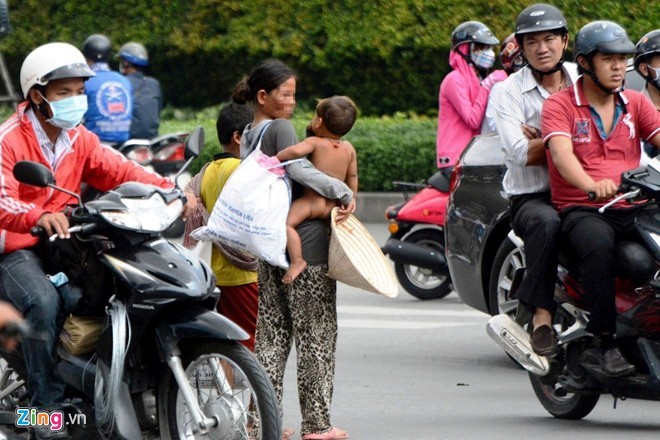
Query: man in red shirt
{"x": 593, "y": 132}
{"x": 46, "y": 129}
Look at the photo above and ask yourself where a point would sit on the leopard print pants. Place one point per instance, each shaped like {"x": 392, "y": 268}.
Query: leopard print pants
{"x": 304, "y": 312}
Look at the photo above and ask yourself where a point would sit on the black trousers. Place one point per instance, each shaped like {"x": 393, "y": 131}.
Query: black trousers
{"x": 534, "y": 219}
{"x": 591, "y": 237}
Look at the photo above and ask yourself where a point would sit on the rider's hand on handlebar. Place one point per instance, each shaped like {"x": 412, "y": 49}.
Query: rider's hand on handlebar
{"x": 603, "y": 189}
{"x": 55, "y": 223}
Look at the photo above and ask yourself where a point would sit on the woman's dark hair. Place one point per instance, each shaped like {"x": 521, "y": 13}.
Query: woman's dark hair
{"x": 267, "y": 75}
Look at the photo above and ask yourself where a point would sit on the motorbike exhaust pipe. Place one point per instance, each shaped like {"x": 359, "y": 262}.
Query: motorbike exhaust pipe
{"x": 415, "y": 254}
{"x": 560, "y": 391}
{"x": 509, "y": 335}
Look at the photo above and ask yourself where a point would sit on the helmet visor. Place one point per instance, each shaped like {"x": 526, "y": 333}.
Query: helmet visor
{"x": 541, "y": 26}
{"x": 620, "y": 46}
{"x": 485, "y": 36}
{"x": 78, "y": 70}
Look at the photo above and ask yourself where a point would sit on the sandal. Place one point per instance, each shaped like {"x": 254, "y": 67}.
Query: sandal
{"x": 334, "y": 434}
{"x": 287, "y": 433}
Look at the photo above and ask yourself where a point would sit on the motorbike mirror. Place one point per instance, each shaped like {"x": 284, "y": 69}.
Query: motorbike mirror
{"x": 36, "y": 174}
{"x": 33, "y": 173}
{"x": 195, "y": 142}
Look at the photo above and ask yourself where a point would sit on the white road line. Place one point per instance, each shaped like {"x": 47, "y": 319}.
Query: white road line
{"x": 387, "y": 311}
{"x": 398, "y": 325}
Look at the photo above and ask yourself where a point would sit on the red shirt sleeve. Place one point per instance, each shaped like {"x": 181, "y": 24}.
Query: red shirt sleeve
{"x": 555, "y": 119}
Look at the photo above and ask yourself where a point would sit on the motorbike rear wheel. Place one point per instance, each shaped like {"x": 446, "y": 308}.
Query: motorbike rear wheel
{"x": 508, "y": 268}
{"x": 423, "y": 283}
{"x": 231, "y": 385}
{"x": 570, "y": 407}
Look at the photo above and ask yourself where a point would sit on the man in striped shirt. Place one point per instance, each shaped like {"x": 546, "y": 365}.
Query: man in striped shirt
{"x": 542, "y": 34}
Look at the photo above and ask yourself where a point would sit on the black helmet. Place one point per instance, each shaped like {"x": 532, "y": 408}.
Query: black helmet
{"x": 97, "y": 47}
{"x": 647, "y": 46}
{"x": 604, "y": 37}
{"x": 472, "y": 32}
{"x": 539, "y": 18}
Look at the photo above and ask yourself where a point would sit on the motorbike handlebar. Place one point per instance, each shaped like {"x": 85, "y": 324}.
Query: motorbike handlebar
{"x": 38, "y": 231}
{"x": 629, "y": 195}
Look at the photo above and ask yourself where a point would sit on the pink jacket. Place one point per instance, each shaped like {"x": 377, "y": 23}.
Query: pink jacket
{"x": 462, "y": 105}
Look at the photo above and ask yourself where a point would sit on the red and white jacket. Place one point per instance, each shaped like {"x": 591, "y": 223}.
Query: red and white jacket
{"x": 86, "y": 161}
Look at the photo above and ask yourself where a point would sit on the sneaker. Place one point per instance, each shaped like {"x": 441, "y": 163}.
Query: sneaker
{"x": 615, "y": 364}
{"x": 544, "y": 340}
{"x": 45, "y": 433}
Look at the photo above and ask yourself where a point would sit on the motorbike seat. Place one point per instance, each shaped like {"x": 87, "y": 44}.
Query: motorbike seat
{"x": 439, "y": 181}
{"x": 633, "y": 261}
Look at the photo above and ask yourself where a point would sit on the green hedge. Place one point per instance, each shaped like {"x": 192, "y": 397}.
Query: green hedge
{"x": 397, "y": 148}
{"x": 388, "y": 55}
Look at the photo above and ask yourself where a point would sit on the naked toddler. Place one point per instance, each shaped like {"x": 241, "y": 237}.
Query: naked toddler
{"x": 334, "y": 118}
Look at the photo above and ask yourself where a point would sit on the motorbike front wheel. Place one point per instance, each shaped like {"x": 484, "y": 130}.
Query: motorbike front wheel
{"x": 230, "y": 385}
{"x": 420, "y": 282}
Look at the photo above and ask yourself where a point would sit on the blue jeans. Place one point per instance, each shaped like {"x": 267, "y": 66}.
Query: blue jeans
{"x": 24, "y": 284}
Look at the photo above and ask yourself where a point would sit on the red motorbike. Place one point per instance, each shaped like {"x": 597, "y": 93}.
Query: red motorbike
{"x": 417, "y": 240}
{"x": 569, "y": 384}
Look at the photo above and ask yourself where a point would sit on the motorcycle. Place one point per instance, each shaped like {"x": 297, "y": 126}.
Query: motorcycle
{"x": 569, "y": 384}
{"x": 417, "y": 241}
{"x": 165, "y": 360}
{"x": 165, "y": 155}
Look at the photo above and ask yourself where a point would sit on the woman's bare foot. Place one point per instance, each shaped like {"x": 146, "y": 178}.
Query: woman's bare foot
{"x": 295, "y": 268}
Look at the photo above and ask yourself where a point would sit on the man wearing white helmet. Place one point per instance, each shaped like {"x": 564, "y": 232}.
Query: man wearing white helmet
{"x": 45, "y": 129}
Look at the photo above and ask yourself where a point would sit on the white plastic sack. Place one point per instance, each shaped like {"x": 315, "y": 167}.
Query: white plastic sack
{"x": 251, "y": 210}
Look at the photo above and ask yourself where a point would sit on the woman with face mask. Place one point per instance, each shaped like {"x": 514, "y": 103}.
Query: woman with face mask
{"x": 464, "y": 91}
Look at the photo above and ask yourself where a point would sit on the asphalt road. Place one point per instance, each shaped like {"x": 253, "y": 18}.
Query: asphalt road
{"x": 413, "y": 370}
{"x": 408, "y": 369}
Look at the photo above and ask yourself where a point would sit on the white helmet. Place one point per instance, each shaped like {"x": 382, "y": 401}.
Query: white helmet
{"x": 53, "y": 61}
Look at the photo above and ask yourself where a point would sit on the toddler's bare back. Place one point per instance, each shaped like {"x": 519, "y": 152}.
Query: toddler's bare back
{"x": 332, "y": 157}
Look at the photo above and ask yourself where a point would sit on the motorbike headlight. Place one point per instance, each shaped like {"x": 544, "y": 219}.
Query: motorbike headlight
{"x": 145, "y": 215}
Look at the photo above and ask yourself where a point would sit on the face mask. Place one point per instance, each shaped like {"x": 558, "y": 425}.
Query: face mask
{"x": 484, "y": 59}
{"x": 655, "y": 81}
{"x": 67, "y": 112}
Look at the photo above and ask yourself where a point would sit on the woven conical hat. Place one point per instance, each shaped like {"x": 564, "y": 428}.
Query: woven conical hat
{"x": 356, "y": 259}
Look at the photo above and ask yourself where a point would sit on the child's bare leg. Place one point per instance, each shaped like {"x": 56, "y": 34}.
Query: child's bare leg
{"x": 296, "y": 262}
{"x": 299, "y": 211}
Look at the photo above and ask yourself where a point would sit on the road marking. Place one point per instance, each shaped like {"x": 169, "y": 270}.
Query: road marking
{"x": 388, "y": 311}
{"x": 398, "y": 325}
